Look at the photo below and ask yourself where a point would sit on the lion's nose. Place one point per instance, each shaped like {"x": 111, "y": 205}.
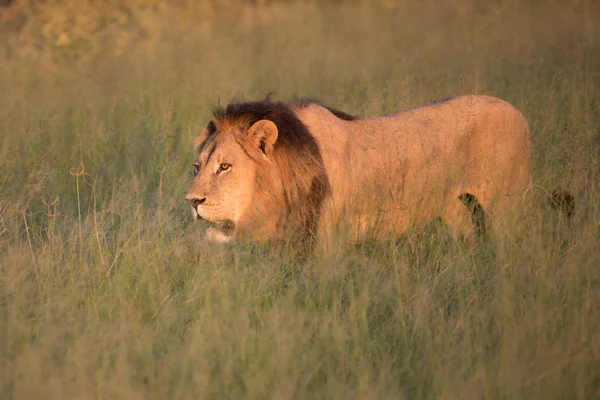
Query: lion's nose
{"x": 196, "y": 202}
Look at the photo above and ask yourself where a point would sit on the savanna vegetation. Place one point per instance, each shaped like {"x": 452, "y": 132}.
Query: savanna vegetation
{"x": 108, "y": 291}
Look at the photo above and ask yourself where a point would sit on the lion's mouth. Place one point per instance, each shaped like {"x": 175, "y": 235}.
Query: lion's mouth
{"x": 226, "y": 227}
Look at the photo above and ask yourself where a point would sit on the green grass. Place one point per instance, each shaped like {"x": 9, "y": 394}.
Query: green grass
{"x": 107, "y": 290}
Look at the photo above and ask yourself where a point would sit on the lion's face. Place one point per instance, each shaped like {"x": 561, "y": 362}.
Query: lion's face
{"x": 222, "y": 190}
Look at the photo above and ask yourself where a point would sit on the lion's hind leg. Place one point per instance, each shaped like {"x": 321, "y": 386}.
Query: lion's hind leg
{"x": 475, "y": 210}
{"x": 503, "y": 211}
{"x": 465, "y": 217}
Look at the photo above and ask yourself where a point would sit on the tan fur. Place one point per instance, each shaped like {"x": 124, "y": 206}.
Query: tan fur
{"x": 368, "y": 177}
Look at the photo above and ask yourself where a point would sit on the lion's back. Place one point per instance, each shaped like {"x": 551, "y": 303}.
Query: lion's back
{"x": 412, "y": 161}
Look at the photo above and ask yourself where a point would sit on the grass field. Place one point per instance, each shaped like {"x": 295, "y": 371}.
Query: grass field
{"x": 107, "y": 291}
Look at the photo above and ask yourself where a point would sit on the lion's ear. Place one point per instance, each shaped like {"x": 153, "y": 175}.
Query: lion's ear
{"x": 262, "y": 135}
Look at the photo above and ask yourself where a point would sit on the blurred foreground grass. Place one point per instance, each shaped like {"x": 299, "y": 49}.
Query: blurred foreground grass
{"x": 107, "y": 291}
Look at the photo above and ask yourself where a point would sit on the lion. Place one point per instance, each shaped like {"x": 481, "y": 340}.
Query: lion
{"x": 269, "y": 170}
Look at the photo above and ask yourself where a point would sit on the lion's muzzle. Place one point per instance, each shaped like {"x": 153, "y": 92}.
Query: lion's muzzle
{"x": 225, "y": 227}
{"x": 195, "y": 202}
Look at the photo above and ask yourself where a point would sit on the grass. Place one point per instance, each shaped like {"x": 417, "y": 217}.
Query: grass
{"x": 107, "y": 290}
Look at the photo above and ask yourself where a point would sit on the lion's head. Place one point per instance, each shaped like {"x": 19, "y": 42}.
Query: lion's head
{"x": 258, "y": 173}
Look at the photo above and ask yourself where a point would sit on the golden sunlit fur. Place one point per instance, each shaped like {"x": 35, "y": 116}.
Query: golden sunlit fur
{"x": 303, "y": 169}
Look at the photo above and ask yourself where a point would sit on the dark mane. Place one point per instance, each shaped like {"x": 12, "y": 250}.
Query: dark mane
{"x": 341, "y": 114}
{"x": 301, "y": 103}
{"x": 296, "y": 156}
{"x": 252, "y": 111}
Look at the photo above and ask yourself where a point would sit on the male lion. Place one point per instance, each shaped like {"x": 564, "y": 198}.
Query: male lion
{"x": 265, "y": 170}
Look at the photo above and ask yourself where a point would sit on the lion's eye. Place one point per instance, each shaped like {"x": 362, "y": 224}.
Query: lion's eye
{"x": 223, "y": 167}
{"x": 196, "y": 169}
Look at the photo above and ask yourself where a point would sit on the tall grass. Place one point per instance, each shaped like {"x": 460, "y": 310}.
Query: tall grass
{"x": 108, "y": 291}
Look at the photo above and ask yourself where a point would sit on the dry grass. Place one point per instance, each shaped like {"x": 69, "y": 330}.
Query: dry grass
{"x": 105, "y": 291}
